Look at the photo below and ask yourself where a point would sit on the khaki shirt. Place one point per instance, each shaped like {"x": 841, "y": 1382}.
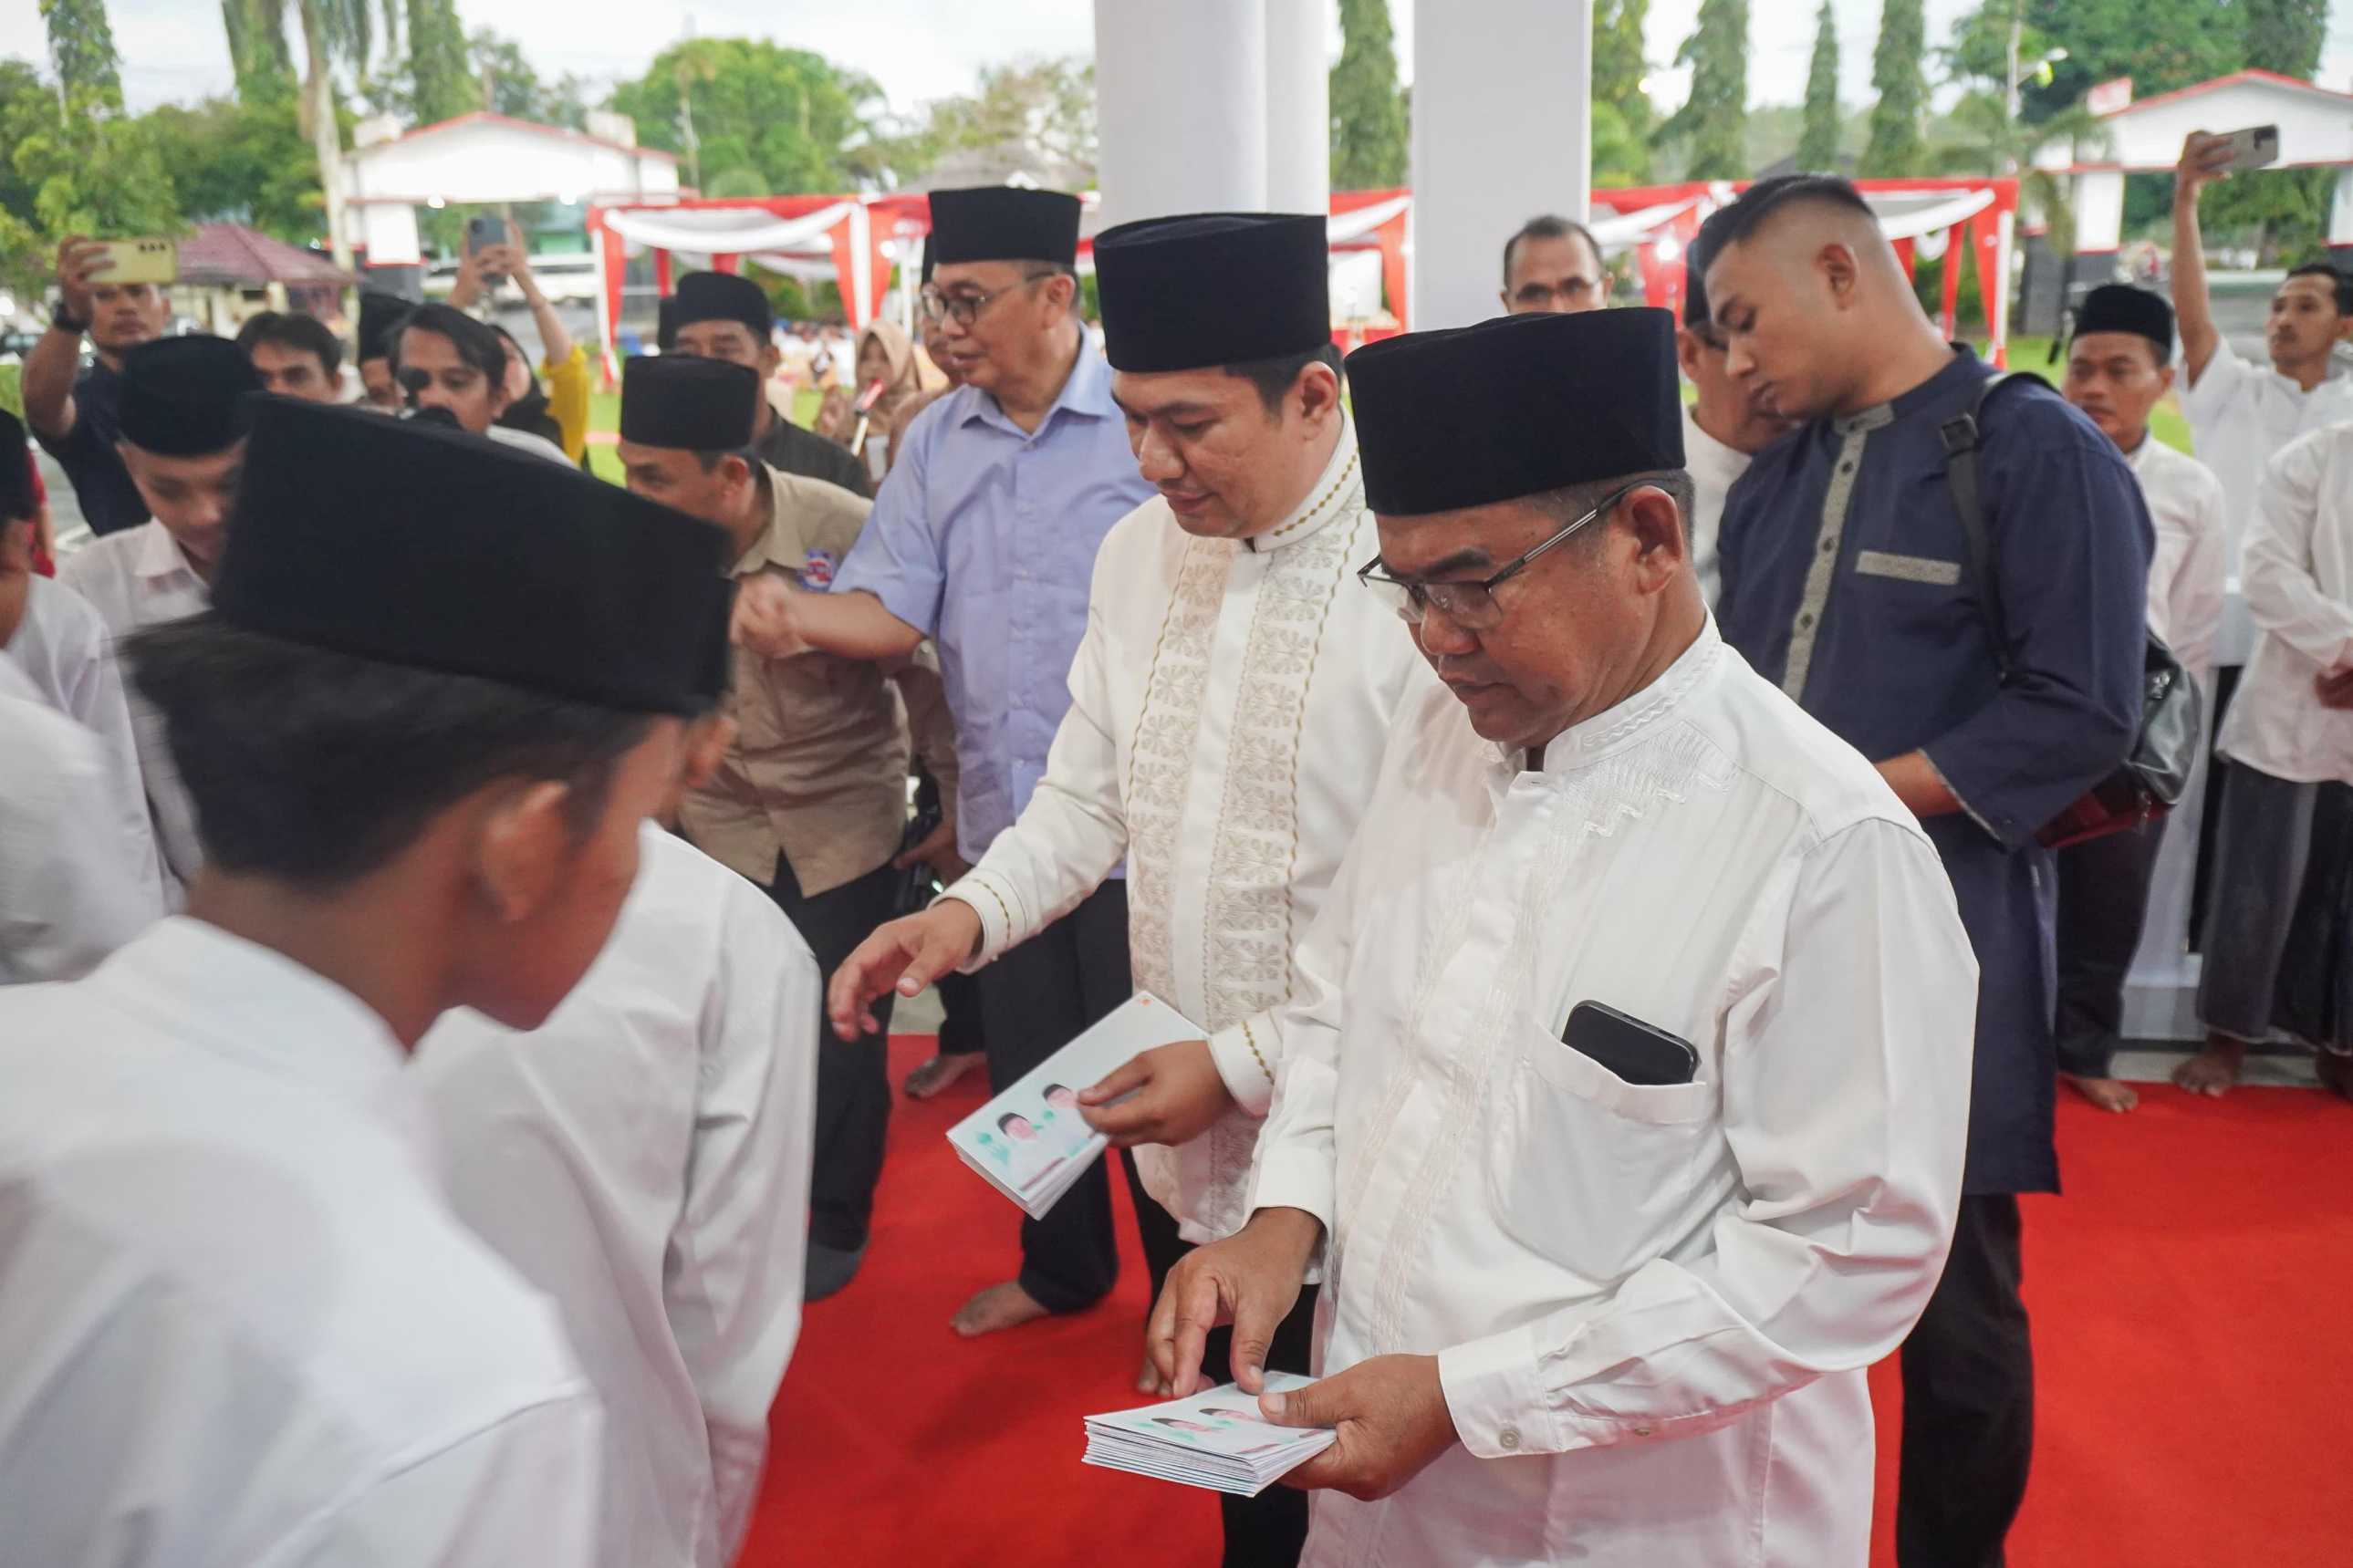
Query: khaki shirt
{"x": 818, "y": 772}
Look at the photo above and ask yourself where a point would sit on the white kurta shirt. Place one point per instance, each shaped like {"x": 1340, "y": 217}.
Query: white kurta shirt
{"x": 71, "y": 891}
{"x": 64, "y": 649}
{"x": 1713, "y": 466}
{"x": 1229, "y": 703}
{"x": 140, "y": 578}
{"x": 2239, "y": 415}
{"x": 238, "y": 1324}
{"x": 1653, "y": 1306}
{"x": 2299, "y": 583}
{"x": 2187, "y": 570}
{"x": 643, "y": 1157}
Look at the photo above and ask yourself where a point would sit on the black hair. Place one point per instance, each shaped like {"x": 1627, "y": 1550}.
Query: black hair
{"x": 1730, "y": 223}
{"x": 1011, "y": 1116}
{"x": 2338, "y": 280}
{"x": 711, "y": 460}
{"x": 1275, "y": 377}
{"x": 1548, "y": 225}
{"x": 477, "y": 344}
{"x": 315, "y": 767}
{"x": 294, "y": 333}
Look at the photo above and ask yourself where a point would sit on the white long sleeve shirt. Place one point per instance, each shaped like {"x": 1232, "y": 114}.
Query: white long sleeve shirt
{"x": 1713, "y": 466}
{"x": 70, "y": 890}
{"x": 1230, "y": 703}
{"x": 643, "y": 1157}
{"x": 238, "y": 1324}
{"x": 2187, "y": 569}
{"x": 2239, "y": 415}
{"x": 140, "y": 578}
{"x": 2299, "y": 573}
{"x": 1653, "y": 1305}
{"x": 63, "y": 647}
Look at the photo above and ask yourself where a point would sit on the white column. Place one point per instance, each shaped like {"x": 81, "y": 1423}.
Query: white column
{"x": 1297, "y": 107}
{"x": 2099, "y": 212}
{"x": 2340, "y": 210}
{"x": 1502, "y": 108}
{"x": 1180, "y": 106}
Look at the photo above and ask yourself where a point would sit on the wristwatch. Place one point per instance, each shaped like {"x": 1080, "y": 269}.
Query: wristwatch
{"x": 62, "y": 321}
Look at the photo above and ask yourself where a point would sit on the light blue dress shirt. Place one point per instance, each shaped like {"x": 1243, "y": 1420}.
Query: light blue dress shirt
{"x": 984, "y": 540}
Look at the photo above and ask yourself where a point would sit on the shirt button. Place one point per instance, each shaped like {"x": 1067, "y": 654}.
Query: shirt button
{"x": 1829, "y": 545}
{"x": 1804, "y": 621}
{"x": 1846, "y": 467}
{"x": 1510, "y": 1439}
{"x": 1642, "y": 1431}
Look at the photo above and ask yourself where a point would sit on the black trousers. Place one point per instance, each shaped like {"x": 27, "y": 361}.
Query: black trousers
{"x": 2209, "y": 815}
{"x": 2103, "y": 907}
{"x": 961, "y": 1031}
{"x": 1969, "y": 1400}
{"x": 853, "y": 1080}
{"x": 1270, "y": 1530}
{"x": 1034, "y": 1001}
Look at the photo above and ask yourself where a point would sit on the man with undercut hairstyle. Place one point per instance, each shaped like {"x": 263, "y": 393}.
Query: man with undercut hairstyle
{"x": 1849, "y": 582}
{"x": 422, "y": 729}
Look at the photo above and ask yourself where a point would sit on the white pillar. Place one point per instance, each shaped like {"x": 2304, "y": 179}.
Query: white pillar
{"x": 1180, "y": 106}
{"x": 1297, "y": 107}
{"x": 1502, "y": 130}
{"x": 2099, "y": 214}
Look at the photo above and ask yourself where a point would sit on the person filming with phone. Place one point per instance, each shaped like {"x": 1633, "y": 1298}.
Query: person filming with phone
{"x": 1646, "y": 1138}
{"x": 73, "y": 411}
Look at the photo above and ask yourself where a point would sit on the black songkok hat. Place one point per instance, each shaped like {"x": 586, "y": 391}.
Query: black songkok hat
{"x": 397, "y": 541}
{"x": 185, "y": 398}
{"x": 2121, "y": 308}
{"x": 380, "y": 317}
{"x": 696, "y": 405}
{"x": 1516, "y": 407}
{"x": 15, "y": 470}
{"x": 1213, "y": 288}
{"x": 1005, "y": 223}
{"x": 715, "y": 297}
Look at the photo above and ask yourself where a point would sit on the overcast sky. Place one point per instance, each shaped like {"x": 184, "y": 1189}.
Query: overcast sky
{"x": 922, "y": 49}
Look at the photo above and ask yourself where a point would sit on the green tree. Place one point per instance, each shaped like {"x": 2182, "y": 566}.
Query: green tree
{"x": 81, "y": 51}
{"x": 257, "y": 49}
{"x": 2160, "y": 44}
{"x": 1039, "y": 113}
{"x": 1818, "y": 145}
{"x": 1620, "y": 67}
{"x": 1899, "y": 77}
{"x": 442, "y": 81}
{"x": 1713, "y": 123}
{"x": 1620, "y": 157}
{"x": 795, "y": 118}
{"x": 242, "y": 162}
{"x": 1368, "y": 114}
{"x": 88, "y": 171}
{"x": 509, "y": 85}
{"x": 2286, "y": 36}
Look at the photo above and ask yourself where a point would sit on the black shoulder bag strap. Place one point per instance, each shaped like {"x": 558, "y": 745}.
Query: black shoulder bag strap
{"x": 1962, "y": 437}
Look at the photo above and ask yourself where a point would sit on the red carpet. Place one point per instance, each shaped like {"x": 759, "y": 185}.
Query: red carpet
{"x": 2190, "y": 1293}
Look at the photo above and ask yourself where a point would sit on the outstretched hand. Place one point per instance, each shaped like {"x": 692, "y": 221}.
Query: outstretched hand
{"x": 906, "y": 954}
{"x": 1391, "y": 1416}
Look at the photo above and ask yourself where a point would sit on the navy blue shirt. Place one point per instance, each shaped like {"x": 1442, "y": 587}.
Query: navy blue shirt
{"x": 1846, "y": 581}
{"x": 109, "y": 501}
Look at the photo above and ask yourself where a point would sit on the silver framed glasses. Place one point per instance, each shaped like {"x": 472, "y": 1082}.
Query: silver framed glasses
{"x": 1473, "y": 604}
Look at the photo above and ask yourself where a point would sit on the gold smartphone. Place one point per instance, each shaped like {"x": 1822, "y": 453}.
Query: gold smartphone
{"x": 139, "y": 261}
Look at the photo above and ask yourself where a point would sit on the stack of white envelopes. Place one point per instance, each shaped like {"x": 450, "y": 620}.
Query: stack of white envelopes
{"x": 1216, "y": 1439}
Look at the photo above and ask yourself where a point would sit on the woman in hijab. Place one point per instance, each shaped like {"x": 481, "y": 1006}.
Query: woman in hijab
{"x": 885, "y": 355}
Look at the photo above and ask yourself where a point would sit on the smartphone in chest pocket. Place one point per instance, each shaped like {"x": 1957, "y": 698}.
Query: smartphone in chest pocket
{"x": 1635, "y": 1051}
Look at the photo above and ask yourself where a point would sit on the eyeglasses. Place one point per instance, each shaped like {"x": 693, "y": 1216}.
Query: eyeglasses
{"x": 1572, "y": 293}
{"x": 938, "y": 305}
{"x": 1470, "y": 606}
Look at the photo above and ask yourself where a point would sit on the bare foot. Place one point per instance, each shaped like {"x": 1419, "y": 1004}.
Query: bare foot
{"x": 939, "y": 1073}
{"x": 2335, "y": 1072}
{"x": 1005, "y": 1306}
{"x": 2215, "y": 1071}
{"x": 2107, "y": 1093}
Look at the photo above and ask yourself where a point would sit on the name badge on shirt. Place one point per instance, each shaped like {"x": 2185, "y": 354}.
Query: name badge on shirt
{"x": 818, "y": 572}
{"x": 1908, "y": 568}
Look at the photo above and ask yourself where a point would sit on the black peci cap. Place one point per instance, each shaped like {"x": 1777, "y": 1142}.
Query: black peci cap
{"x": 1213, "y": 288}
{"x": 697, "y": 405}
{"x": 185, "y": 398}
{"x": 1004, "y": 223}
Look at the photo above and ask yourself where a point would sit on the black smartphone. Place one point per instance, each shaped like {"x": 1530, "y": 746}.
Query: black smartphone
{"x": 1636, "y": 1052}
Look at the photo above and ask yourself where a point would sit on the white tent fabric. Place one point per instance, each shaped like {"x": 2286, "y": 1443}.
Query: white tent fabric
{"x": 1341, "y": 228}
{"x": 724, "y": 229}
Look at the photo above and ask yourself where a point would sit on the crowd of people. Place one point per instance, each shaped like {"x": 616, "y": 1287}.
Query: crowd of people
{"x": 1586, "y": 774}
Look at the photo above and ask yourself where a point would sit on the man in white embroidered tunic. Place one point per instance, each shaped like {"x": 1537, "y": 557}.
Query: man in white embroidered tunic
{"x": 1599, "y": 1288}
{"x": 1229, "y": 703}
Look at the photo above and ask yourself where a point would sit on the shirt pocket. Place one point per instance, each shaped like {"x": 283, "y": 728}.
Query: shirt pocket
{"x": 1591, "y": 1172}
